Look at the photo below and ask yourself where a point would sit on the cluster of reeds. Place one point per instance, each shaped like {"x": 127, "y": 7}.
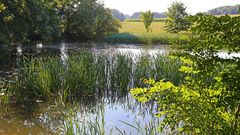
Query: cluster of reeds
{"x": 89, "y": 74}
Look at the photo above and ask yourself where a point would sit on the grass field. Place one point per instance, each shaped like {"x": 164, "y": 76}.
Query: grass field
{"x": 134, "y": 32}
{"x": 138, "y": 28}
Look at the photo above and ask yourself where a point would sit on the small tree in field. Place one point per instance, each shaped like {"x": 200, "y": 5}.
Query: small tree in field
{"x": 177, "y": 18}
{"x": 147, "y": 19}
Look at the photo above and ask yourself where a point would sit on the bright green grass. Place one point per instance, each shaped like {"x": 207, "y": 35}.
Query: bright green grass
{"x": 138, "y": 28}
{"x": 135, "y": 33}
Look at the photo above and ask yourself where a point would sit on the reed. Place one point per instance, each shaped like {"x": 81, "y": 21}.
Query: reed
{"x": 38, "y": 79}
{"x": 121, "y": 72}
{"x": 81, "y": 74}
{"x": 87, "y": 74}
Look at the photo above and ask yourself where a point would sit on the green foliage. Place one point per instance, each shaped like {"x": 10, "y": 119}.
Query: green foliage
{"x": 87, "y": 74}
{"x": 29, "y": 20}
{"x": 46, "y": 20}
{"x": 147, "y": 19}
{"x": 164, "y": 39}
{"x": 207, "y": 101}
{"x": 2, "y": 7}
{"x": 86, "y": 19}
{"x": 177, "y": 18}
{"x": 38, "y": 80}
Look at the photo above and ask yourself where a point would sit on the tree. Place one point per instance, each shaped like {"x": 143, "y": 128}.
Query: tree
{"x": 147, "y": 19}
{"x": 29, "y": 20}
{"x": 207, "y": 102}
{"x": 46, "y": 20}
{"x": 117, "y": 14}
{"x": 177, "y": 15}
{"x": 87, "y": 20}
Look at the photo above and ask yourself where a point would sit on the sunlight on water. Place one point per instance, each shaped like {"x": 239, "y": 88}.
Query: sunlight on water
{"x": 19, "y": 50}
{"x": 228, "y": 56}
{"x": 39, "y": 45}
{"x": 63, "y": 53}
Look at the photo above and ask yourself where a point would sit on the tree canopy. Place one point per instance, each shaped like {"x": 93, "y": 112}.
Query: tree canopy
{"x": 147, "y": 19}
{"x": 207, "y": 102}
{"x": 177, "y": 18}
{"x": 117, "y": 14}
{"x": 45, "y": 20}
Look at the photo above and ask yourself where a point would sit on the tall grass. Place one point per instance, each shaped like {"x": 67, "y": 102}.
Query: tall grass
{"x": 4, "y": 91}
{"x": 81, "y": 74}
{"x": 88, "y": 74}
{"x": 120, "y": 72}
{"x": 38, "y": 79}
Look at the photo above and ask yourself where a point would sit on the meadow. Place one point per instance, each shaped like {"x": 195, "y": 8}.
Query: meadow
{"x": 134, "y": 32}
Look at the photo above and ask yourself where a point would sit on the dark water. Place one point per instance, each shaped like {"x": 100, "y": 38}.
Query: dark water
{"x": 44, "y": 118}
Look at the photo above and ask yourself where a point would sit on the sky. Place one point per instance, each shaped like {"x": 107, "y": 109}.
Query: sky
{"x": 193, "y": 6}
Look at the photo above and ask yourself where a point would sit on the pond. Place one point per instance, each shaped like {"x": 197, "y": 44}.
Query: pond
{"x": 90, "y": 83}
{"x": 113, "y": 112}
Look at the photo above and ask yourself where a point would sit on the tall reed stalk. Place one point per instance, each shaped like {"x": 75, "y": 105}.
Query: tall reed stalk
{"x": 87, "y": 74}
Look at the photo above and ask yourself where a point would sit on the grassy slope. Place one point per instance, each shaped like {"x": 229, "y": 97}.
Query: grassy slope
{"x": 138, "y": 28}
{"x": 134, "y": 32}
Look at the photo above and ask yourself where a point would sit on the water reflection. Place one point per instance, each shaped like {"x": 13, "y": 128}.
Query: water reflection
{"x": 225, "y": 55}
{"x": 19, "y": 50}
{"x": 63, "y": 53}
{"x": 39, "y": 45}
{"x": 117, "y": 104}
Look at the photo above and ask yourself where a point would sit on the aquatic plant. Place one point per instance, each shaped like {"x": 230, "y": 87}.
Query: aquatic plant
{"x": 87, "y": 74}
{"x": 38, "y": 79}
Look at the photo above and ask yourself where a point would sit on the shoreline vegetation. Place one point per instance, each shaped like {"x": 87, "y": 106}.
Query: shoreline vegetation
{"x": 83, "y": 21}
{"x": 134, "y": 33}
{"x": 195, "y": 90}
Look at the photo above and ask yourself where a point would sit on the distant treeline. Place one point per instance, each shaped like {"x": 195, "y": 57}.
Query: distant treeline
{"x": 139, "y": 20}
{"x": 137, "y": 15}
{"x": 225, "y": 10}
